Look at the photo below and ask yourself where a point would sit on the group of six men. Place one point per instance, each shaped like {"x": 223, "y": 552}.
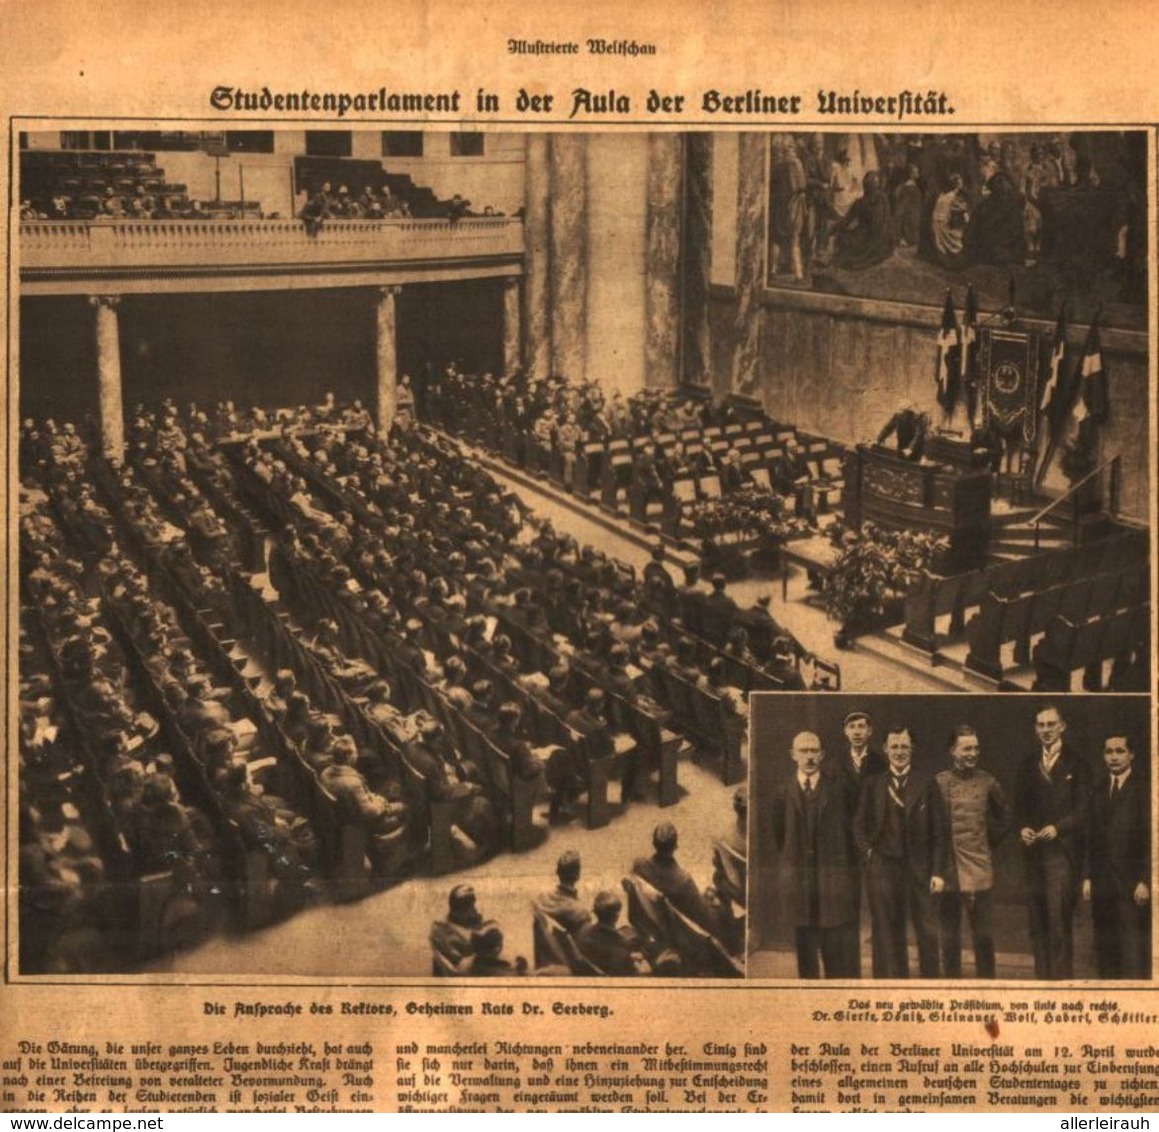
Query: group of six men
{"x": 920, "y": 847}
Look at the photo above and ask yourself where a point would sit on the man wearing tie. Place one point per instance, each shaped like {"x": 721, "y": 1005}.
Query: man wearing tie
{"x": 1050, "y": 798}
{"x": 900, "y": 832}
{"x": 812, "y": 831}
{"x": 850, "y": 770}
{"x": 1117, "y": 876}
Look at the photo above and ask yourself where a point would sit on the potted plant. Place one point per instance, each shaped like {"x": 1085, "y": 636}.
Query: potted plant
{"x": 875, "y": 569}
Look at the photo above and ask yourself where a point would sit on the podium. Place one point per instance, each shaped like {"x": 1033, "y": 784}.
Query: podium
{"x": 941, "y": 499}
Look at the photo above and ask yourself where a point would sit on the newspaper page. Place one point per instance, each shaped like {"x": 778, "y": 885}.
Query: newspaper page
{"x": 579, "y": 558}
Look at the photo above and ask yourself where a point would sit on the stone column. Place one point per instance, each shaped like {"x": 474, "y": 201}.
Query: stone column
{"x": 387, "y": 355}
{"x": 568, "y": 178}
{"x": 697, "y": 258}
{"x": 511, "y": 339}
{"x": 110, "y": 411}
{"x": 662, "y": 261}
{"x": 536, "y": 264}
{"x": 752, "y": 210}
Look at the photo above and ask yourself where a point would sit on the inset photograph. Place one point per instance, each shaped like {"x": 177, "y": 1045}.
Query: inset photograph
{"x": 940, "y": 837}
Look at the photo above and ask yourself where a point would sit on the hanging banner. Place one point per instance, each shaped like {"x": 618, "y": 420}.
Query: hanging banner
{"x": 1010, "y": 365}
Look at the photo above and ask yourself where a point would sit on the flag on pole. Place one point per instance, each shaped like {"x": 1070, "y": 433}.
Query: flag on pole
{"x": 1052, "y": 389}
{"x": 948, "y": 372}
{"x": 969, "y": 349}
{"x": 1093, "y": 400}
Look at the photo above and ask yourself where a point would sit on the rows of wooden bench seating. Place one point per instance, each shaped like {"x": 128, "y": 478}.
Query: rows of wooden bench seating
{"x": 654, "y": 916}
{"x": 699, "y": 711}
{"x": 935, "y": 596}
{"x": 255, "y": 896}
{"x": 411, "y": 693}
{"x": 342, "y": 842}
{"x": 72, "y": 172}
{"x": 658, "y": 747}
{"x": 695, "y": 711}
{"x": 511, "y": 794}
{"x": 737, "y": 672}
{"x": 147, "y": 919}
{"x": 251, "y": 534}
{"x": 1068, "y": 647}
{"x": 544, "y": 726}
{"x": 277, "y": 765}
{"x": 411, "y": 690}
{"x": 280, "y": 645}
{"x": 1018, "y": 618}
{"x": 748, "y": 677}
{"x": 139, "y": 900}
{"x": 555, "y": 948}
{"x": 760, "y": 450}
{"x": 655, "y": 745}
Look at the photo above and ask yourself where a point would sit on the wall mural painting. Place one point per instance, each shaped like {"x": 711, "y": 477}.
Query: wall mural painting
{"x": 1032, "y": 220}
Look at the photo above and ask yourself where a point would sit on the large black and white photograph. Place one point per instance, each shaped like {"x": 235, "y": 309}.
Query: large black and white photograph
{"x": 406, "y": 516}
{"x": 940, "y": 837}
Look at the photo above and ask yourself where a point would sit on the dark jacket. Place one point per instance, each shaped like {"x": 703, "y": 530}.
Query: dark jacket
{"x": 831, "y": 871}
{"x": 1119, "y": 845}
{"x": 925, "y": 832}
{"x": 1061, "y": 801}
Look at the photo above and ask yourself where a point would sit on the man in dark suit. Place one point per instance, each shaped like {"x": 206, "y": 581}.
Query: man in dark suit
{"x": 610, "y": 948}
{"x": 910, "y": 428}
{"x": 849, "y": 770}
{"x": 1117, "y": 876}
{"x": 814, "y": 836}
{"x": 717, "y": 612}
{"x": 563, "y": 904}
{"x": 900, "y": 831}
{"x": 659, "y": 586}
{"x": 1050, "y": 799}
{"x": 664, "y": 873}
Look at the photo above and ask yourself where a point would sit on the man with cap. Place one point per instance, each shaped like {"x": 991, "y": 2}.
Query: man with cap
{"x": 451, "y": 937}
{"x": 850, "y": 770}
{"x": 814, "y": 836}
{"x": 858, "y": 761}
{"x": 563, "y": 904}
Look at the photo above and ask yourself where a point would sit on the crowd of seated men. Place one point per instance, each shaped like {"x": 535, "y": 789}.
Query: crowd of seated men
{"x": 100, "y": 804}
{"x": 674, "y": 926}
{"x": 371, "y": 202}
{"x": 486, "y": 404}
{"x": 673, "y": 440}
{"x": 394, "y": 556}
{"x": 113, "y": 185}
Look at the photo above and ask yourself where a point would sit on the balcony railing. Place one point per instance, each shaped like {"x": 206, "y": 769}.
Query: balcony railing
{"x": 120, "y": 246}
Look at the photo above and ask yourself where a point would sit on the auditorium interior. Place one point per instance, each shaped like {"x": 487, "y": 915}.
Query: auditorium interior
{"x": 405, "y": 513}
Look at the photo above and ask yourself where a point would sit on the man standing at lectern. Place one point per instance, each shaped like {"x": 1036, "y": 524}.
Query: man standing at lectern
{"x": 910, "y": 428}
